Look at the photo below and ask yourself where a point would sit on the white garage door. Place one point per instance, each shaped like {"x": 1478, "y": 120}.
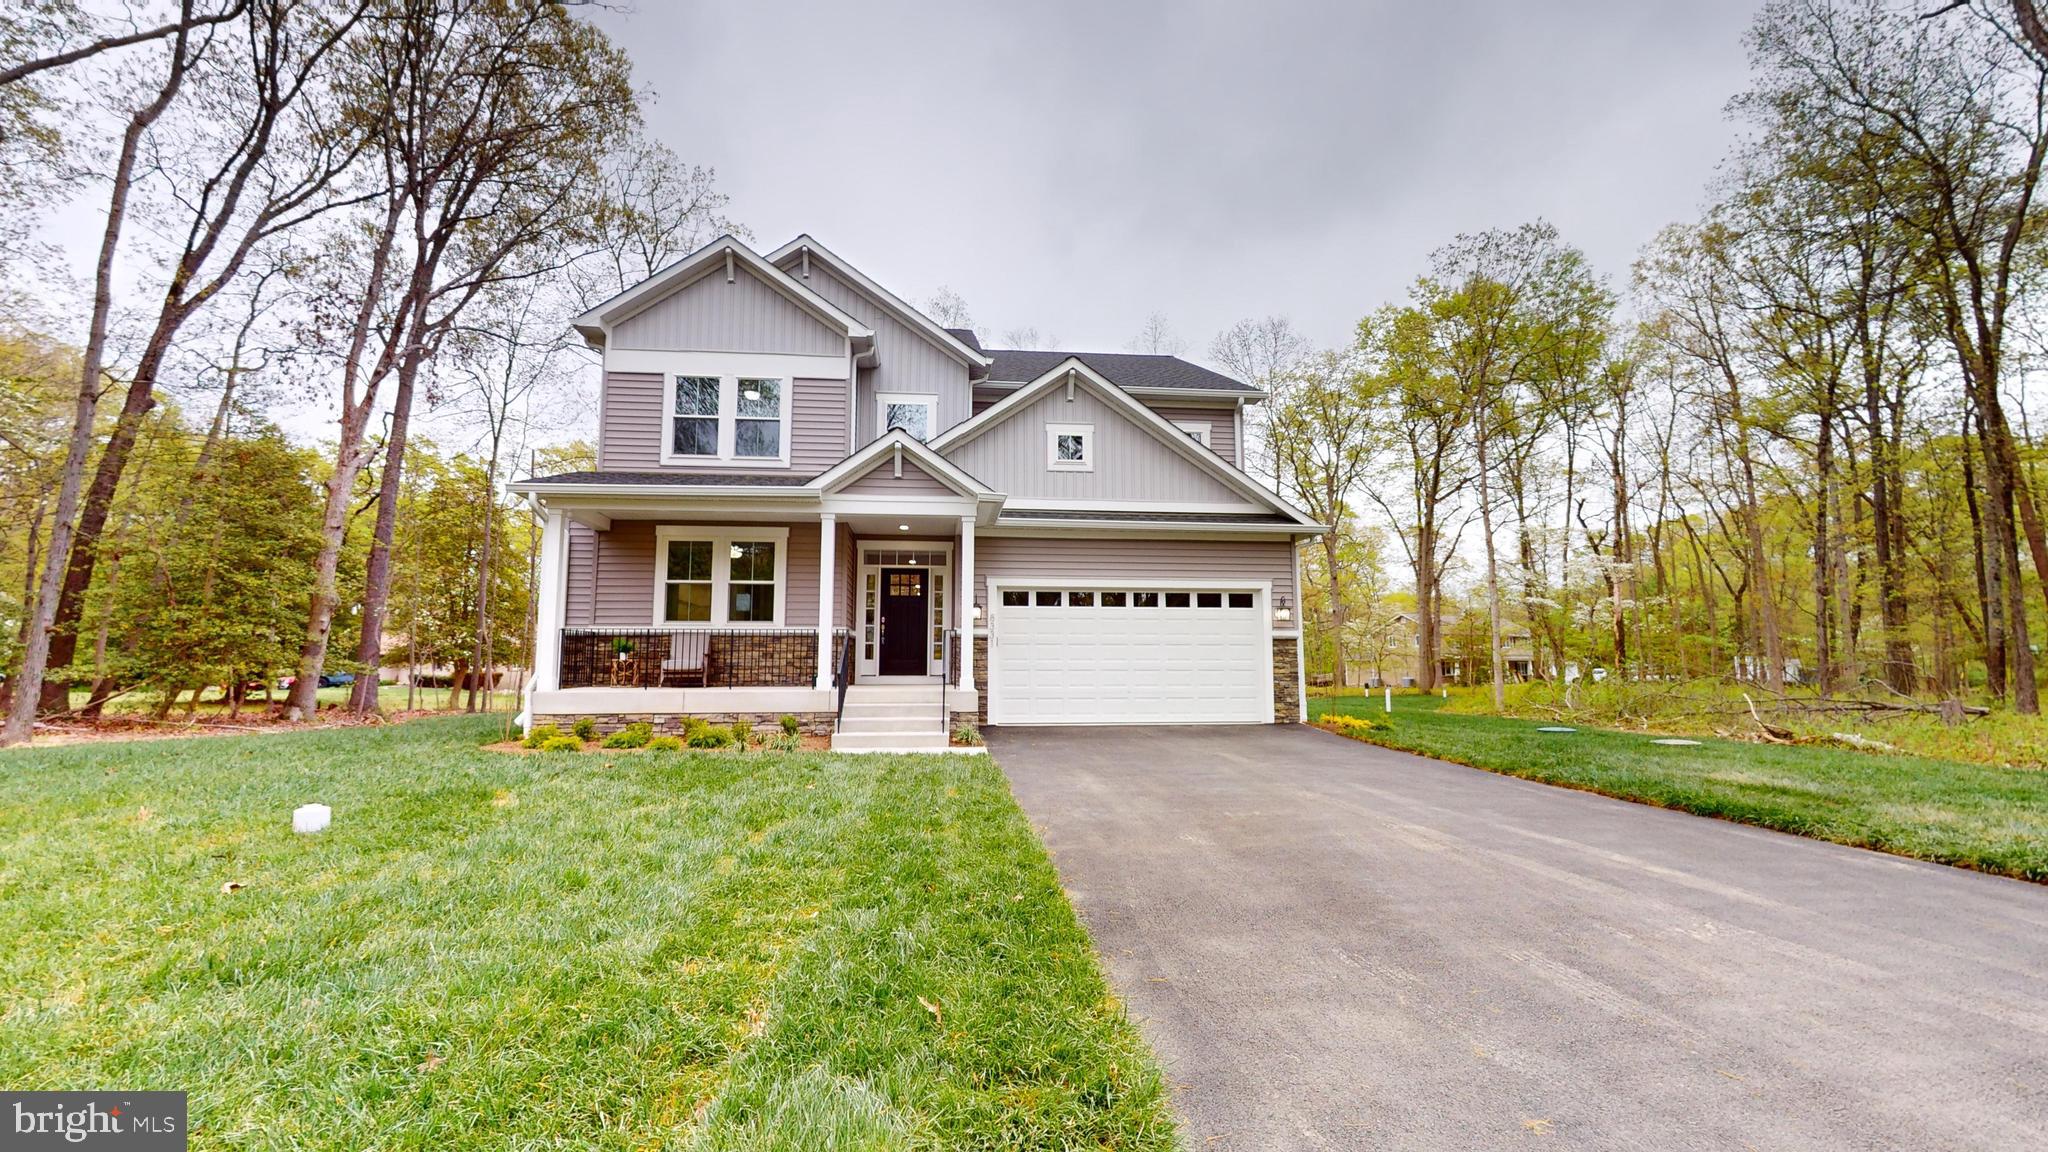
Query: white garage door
{"x": 1165, "y": 655}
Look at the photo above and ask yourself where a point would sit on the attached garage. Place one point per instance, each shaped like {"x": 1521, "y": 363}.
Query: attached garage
{"x": 1166, "y": 653}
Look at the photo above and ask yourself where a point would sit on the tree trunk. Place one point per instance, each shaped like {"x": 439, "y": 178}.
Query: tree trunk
{"x": 455, "y": 679}
{"x": 377, "y": 573}
{"x": 35, "y": 660}
{"x": 483, "y": 579}
{"x": 1492, "y": 575}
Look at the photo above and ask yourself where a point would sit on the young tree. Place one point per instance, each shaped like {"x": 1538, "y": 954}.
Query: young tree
{"x": 1262, "y": 353}
{"x": 1157, "y": 338}
{"x": 1326, "y": 432}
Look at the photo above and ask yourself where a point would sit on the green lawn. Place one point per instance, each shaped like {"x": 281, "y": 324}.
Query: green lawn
{"x": 633, "y": 950}
{"x": 1973, "y": 815}
{"x": 390, "y": 697}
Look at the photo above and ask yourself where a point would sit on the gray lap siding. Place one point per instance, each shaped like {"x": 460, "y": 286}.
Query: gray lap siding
{"x": 611, "y": 573}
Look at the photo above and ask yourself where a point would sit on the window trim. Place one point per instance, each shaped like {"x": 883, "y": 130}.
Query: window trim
{"x": 1197, "y": 430}
{"x": 1053, "y": 432}
{"x": 722, "y": 537}
{"x": 928, "y": 400}
{"x": 728, "y": 420}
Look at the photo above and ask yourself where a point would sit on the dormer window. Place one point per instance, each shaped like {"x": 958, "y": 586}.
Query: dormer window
{"x": 1070, "y": 447}
{"x": 728, "y": 418}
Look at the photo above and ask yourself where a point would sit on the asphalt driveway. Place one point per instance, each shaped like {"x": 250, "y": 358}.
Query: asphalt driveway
{"x": 1332, "y": 945}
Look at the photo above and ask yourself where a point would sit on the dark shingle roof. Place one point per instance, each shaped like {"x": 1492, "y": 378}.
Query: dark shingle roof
{"x": 665, "y": 479}
{"x": 966, "y": 336}
{"x": 1146, "y": 517}
{"x": 1126, "y": 370}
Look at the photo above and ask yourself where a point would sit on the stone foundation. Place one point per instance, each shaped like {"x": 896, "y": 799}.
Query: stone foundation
{"x": 670, "y": 723}
{"x": 1286, "y": 684}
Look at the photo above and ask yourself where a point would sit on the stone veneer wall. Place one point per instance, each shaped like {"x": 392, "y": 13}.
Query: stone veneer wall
{"x": 813, "y": 723}
{"x": 1286, "y": 683}
{"x": 981, "y": 678}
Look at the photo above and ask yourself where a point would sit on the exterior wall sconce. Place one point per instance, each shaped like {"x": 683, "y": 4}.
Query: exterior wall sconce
{"x": 977, "y": 612}
{"x": 1282, "y": 610}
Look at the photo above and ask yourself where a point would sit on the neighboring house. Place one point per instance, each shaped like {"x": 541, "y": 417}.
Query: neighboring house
{"x": 804, "y": 483}
{"x": 1401, "y": 666}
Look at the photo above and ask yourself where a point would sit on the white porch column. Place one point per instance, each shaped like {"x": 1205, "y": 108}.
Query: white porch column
{"x": 964, "y": 615}
{"x": 828, "y": 591}
{"x": 552, "y": 606}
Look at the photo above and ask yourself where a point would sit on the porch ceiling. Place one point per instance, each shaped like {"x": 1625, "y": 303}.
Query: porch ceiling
{"x": 885, "y": 526}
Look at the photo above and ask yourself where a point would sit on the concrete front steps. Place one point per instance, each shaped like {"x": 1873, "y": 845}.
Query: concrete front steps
{"x": 891, "y": 718}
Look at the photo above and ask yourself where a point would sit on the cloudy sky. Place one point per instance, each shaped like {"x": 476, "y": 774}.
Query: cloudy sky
{"x": 1077, "y": 166}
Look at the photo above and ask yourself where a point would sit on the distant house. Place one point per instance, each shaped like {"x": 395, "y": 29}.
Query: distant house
{"x": 813, "y": 500}
{"x": 1461, "y": 653}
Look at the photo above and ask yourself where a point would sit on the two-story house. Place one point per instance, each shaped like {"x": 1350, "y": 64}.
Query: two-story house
{"x": 812, "y": 499}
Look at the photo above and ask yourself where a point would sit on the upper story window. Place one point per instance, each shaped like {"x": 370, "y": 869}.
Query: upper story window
{"x": 915, "y": 413}
{"x": 734, "y": 418}
{"x": 1196, "y": 430}
{"x": 1070, "y": 447}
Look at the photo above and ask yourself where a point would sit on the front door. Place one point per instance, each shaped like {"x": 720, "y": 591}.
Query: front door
{"x": 904, "y": 613}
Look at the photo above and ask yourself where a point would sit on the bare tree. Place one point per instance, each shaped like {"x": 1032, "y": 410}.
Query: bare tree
{"x": 1157, "y": 338}
{"x": 1028, "y": 338}
{"x": 1262, "y": 353}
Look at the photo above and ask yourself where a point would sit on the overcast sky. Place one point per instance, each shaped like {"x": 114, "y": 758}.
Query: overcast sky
{"x": 1077, "y": 166}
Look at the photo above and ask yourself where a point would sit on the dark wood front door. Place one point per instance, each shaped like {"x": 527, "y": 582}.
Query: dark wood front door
{"x": 904, "y": 593}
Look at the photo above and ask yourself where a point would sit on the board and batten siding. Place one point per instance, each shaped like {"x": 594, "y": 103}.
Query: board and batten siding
{"x": 1130, "y": 462}
{"x": 881, "y": 480}
{"x": 614, "y": 585}
{"x": 710, "y": 315}
{"x": 1082, "y": 560}
{"x": 1222, "y": 424}
{"x": 633, "y": 417}
{"x": 905, "y": 359}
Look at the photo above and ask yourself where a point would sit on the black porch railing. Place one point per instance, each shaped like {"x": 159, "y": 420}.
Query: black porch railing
{"x": 842, "y": 671}
{"x": 689, "y": 658}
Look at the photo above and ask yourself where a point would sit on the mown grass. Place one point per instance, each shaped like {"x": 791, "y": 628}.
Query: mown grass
{"x": 634, "y": 950}
{"x": 1973, "y": 815}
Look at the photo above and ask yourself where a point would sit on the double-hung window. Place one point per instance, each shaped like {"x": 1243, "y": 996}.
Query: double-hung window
{"x": 741, "y": 419}
{"x": 694, "y": 424}
{"x": 757, "y": 426}
{"x": 720, "y": 575}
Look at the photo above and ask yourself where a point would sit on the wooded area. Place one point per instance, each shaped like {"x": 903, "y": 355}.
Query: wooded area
{"x": 396, "y": 203}
{"x": 1795, "y": 447}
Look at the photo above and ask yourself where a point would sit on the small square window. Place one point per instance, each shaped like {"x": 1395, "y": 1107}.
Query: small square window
{"x": 1016, "y": 599}
{"x": 1240, "y": 599}
{"x": 1144, "y": 599}
{"x": 1070, "y": 447}
{"x": 1113, "y": 599}
{"x": 1208, "y": 599}
{"x": 1048, "y": 599}
{"x": 1176, "y": 599}
{"x": 1080, "y": 599}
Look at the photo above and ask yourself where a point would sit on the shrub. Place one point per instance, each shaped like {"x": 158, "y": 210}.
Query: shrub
{"x": 631, "y": 736}
{"x": 585, "y": 728}
{"x": 968, "y": 735}
{"x": 1356, "y": 727}
{"x": 788, "y": 742}
{"x": 691, "y": 724}
{"x": 709, "y": 736}
{"x": 562, "y": 744}
{"x": 791, "y": 726}
{"x": 743, "y": 733}
{"x": 540, "y": 734}
{"x": 665, "y": 744}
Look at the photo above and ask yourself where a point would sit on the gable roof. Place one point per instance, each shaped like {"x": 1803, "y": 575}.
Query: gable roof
{"x": 724, "y": 251}
{"x": 806, "y": 247}
{"x": 1130, "y": 371}
{"x": 917, "y": 451}
{"x": 1074, "y": 370}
